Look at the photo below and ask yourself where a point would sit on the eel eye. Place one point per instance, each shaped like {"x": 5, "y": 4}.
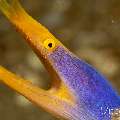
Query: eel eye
{"x": 49, "y": 44}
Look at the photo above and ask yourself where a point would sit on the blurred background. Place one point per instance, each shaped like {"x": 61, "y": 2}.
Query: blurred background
{"x": 89, "y": 28}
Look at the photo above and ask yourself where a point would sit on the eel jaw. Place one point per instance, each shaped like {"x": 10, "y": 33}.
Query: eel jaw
{"x": 50, "y": 100}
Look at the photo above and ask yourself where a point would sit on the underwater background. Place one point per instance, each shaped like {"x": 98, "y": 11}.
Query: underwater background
{"x": 89, "y": 28}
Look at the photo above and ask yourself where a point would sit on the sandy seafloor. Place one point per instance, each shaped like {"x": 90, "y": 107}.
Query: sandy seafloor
{"x": 89, "y": 28}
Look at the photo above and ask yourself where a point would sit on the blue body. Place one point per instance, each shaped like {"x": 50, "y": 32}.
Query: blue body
{"x": 93, "y": 91}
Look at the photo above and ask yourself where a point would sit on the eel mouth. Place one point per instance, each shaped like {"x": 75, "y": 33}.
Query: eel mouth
{"x": 53, "y": 100}
{"x": 37, "y": 39}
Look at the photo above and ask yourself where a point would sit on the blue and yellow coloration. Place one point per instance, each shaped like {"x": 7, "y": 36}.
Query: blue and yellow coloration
{"x": 78, "y": 91}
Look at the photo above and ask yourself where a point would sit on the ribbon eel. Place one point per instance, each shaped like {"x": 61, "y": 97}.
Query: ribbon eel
{"x": 78, "y": 91}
